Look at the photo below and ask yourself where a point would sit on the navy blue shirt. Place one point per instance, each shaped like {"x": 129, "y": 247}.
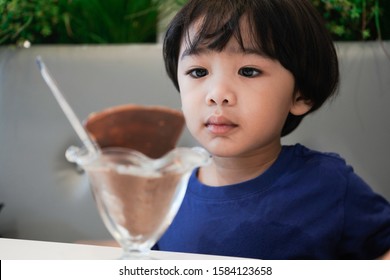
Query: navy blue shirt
{"x": 307, "y": 205}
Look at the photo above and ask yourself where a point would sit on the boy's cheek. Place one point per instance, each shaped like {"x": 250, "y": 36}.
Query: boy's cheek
{"x": 188, "y": 114}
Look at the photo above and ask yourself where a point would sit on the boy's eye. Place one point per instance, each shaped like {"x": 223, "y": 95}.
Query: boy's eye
{"x": 249, "y": 72}
{"x": 198, "y": 72}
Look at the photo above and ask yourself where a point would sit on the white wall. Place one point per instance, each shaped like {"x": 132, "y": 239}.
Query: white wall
{"x": 46, "y": 199}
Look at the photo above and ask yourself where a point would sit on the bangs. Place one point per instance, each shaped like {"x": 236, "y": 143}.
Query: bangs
{"x": 217, "y": 24}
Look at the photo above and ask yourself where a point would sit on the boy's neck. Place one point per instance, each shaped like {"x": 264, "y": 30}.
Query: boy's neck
{"x": 227, "y": 171}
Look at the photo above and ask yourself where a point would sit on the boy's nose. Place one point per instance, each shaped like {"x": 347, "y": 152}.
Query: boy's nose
{"x": 221, "y": 94}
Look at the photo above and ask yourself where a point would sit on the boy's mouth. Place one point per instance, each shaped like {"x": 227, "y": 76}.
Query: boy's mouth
{"x": 219, "y": 125}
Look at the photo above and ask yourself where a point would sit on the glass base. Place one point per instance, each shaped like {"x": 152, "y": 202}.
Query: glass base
{"x": 137, "y": 255}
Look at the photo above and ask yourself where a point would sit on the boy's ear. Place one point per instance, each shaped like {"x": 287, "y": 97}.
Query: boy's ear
{"x": 300, "y": 105}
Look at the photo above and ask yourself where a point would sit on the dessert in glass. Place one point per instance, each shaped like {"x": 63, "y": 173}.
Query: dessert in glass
{"x": 139, "y": 177}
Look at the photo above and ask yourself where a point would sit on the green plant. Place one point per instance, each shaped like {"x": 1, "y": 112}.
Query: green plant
{"x": 119, "y": 21}
{"x": 27, "y": 20}
{"x": 78, "y": 21}
{"x": 129, "y": 21}
{"x": 355, "y": 19}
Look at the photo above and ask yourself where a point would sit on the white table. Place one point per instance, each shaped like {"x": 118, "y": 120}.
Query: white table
{"x": 20, "y": 249}
{"x": 79, "y": 261}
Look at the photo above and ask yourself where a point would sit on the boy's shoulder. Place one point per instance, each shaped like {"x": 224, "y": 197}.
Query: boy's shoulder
{"x": 303, "y": 156}
{"x": 316, "y": 168}
{"x": 304, "y": 152}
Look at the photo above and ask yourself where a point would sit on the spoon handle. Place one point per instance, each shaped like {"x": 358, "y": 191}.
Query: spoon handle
{"x": 74, "y": 121}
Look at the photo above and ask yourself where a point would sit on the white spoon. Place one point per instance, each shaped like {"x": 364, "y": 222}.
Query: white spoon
{"x": 90, "y": 145}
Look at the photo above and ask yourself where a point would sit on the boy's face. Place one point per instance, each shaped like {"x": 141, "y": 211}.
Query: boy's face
{"x": 235, "y": 103}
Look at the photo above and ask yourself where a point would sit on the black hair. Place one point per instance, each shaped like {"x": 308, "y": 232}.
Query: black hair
{"x": 290, "y": 31}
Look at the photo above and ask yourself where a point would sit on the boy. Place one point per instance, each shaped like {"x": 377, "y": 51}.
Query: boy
{"x": 248, "y": 71}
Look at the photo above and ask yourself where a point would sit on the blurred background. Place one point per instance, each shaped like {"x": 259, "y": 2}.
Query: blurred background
{"x": 108, "y": 52}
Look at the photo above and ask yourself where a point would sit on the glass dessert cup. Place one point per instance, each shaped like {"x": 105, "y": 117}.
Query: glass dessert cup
{"x": 137, "y": 197}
